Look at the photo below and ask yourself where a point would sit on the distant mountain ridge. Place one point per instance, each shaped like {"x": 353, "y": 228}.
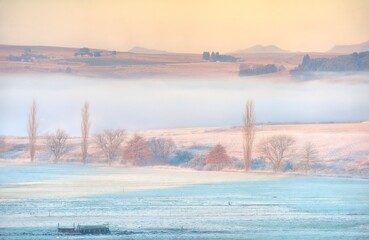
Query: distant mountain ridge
{"x": 261, "y": 49}
{"x": 347, "y": 49}
{"x": 143, "y": 50}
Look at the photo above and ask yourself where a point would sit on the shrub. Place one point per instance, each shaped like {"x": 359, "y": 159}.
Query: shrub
{"x": 97, "y": 54}
{"x": 137, "y": 151}
{"x": 287, "y": 167}
{"x": 237, "y": 163}
{"x": 198, "y": 162}
{"x": 161, "y": 149}
{"x": 215, "y": 167}
{"x": 180, "y": 157}
{"x": 68, "y": 70}
{"x": 218, "y": 155}
{"x": 258, "y": 164}
{"x": 198, "y": 149}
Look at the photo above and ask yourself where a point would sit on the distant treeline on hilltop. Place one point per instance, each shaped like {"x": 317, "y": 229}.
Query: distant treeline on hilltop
{"x": 216, "y": 57}
{"x": 26, "y": 56}
{"x": 87, "y": 52}
{"x": 259, "y": 69}
{"x": 29, "y": 55}
{"x": 352, "y": 62}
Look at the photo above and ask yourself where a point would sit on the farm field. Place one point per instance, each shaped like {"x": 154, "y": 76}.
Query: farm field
{"x": 252, "y": 206}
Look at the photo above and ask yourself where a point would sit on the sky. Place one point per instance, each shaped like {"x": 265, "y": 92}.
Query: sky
{"x": 189, "y": 26}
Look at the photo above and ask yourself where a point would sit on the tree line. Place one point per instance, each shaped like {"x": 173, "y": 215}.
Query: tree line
{"x": 277, "y": 150}
{"x": 88, "y": 52}
{"x": 258, "y": 69}
{"x": 352, "y": 62}
{"x": 137, "y": 150}
{"x": 27, "y": 56}
{"x": 216, "y": 57}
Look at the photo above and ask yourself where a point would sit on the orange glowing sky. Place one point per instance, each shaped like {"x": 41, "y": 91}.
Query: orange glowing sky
{"x": 185, "y": 26}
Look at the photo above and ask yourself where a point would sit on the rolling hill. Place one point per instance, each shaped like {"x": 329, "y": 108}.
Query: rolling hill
{"x": 147, "y": 51}
{"x": 261, "y": 49}
{"x": 347, "y": 49}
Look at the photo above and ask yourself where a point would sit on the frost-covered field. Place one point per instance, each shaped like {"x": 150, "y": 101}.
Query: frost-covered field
{"x": 215, "y": 205}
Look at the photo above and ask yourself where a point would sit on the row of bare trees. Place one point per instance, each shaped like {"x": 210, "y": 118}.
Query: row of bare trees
{"x": 137, "y": 150}
{"x": 57, "y": 142}
{"x": 279, "y": 148}
{"x": 276, "y": 149}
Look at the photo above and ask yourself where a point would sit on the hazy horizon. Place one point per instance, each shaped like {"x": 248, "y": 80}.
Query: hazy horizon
{"x": 185, "y": 26}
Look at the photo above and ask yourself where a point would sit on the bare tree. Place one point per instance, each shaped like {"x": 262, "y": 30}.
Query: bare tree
{"x": 57, "y": 144}
{"x": 277, "y": 149}
{"x": 137, "y": 150}
{"x": 248, "y": 132}
{"x": 109, "y": 142}
{"x": 309, "y": 156}
{"x": 32, "y": 130}
{"x": 85, "y": 128}
{"x": 162, "y": 148}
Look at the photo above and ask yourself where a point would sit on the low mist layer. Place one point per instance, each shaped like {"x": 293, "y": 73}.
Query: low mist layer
{"x": 181, "y": 102}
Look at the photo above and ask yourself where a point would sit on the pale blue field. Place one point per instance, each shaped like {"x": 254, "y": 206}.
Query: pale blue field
{"x": 293, "y": 207}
